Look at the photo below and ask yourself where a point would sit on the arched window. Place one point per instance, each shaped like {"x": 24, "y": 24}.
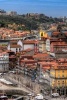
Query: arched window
{"x": 42, "y": 34}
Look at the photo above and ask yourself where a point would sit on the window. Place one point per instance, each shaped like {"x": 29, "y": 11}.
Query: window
{"x": 16, "y": 49}
{"x": 63, "y": 76}
{"x": 58, "y": 76}
{"x": 63, "y": 71}
{"x": 19, "y": 49}
{"x": 58, "y": 71}
{"x": 36, "y": 44}
{"x": 41, "y": 34}
{"x": 63, "y": 82}
{"x": 58, "y": 84}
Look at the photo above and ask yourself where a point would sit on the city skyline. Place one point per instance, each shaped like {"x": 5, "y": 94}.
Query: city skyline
{"x": 54, "y": 8}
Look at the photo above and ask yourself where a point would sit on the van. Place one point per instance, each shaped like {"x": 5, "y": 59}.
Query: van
{"x": 55, "y": 94}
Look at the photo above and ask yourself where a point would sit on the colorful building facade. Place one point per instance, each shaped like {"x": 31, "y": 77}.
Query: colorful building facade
{"x": 58, "y": 74}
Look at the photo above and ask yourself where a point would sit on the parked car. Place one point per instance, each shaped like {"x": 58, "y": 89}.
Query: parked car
{"x": 12, "y": 72}
{"x": 55, "y": 94}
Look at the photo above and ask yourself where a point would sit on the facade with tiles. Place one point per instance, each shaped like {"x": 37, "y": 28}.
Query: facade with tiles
{"x": 58, "y": 77}
{"x": 4, "y": 62}
{"x": 58, "y": 73}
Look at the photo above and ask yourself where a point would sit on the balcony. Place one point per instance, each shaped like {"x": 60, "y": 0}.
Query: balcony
{"x": 58, "y": 77}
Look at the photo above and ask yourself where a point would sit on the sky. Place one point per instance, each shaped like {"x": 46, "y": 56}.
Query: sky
{"x": 54, "y": 8}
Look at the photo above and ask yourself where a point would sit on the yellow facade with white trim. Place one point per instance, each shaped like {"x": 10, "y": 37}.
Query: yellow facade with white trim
{"x": 43, "y": 34}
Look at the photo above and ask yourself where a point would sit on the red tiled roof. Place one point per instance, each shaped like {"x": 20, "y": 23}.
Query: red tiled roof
{"x": 13, "y": 41}
{"x": 30, "y": 41}
{"x": 28, "y": 61}
{"x": 45, "y": 68}
{"x": 1, "y": 51}
{"x": 9, "y": 51}
{"x": 26, "y": 56}
{"x": 38, "y": 55}
{"x": 27, "y": 50}
{"x": 15, "y": 46}
{"x": 55, "y": 33}
{"x": 65, "y": 33}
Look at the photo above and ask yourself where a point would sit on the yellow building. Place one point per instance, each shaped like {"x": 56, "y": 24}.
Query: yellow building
{"x": 43, "y": 43}
{"x": 43, "y": 34}
{"x": 58, "y": 78}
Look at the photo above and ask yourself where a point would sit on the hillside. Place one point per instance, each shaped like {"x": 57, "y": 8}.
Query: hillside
{"x": 27, "y": 22}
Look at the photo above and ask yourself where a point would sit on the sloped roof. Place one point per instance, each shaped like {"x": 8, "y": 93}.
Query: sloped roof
{"x": 15, "y": 46}
{"x": 30, "y": 41}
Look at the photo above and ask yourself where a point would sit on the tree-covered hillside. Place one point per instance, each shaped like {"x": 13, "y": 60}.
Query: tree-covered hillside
{"x": 29, "y": 22}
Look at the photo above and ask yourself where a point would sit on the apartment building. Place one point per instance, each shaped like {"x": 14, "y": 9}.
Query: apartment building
{"x": 4, "y": 61}
{"x": 58, "y": 73}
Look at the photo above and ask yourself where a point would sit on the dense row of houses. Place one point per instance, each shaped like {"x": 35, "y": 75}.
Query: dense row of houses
{"x": 46, "y": 57}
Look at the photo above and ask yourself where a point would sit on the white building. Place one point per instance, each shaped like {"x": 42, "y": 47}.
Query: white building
{"x": 32, "y": 44}
{"x": 15, "y": 46}
{"x": 42, "y": 46}
{"x": 48, "y": 45}
{"x": 4, "y": 61}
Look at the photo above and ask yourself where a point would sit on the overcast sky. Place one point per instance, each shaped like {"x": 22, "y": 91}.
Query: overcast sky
{"x": 55, "y": 8}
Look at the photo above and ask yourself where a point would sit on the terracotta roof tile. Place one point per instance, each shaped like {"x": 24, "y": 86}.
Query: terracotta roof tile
{"x": 26, "y": 56}
{"x": 45, "y": 68}
{"x": 30, "y": 41}
{"x": 65, "y": 33}
{"x": 55, "y": 33}
{"x": 38, "y": 55}
{"x": 15, "y": 46}
{"x": 27, "y": 50}
{"x": 13, "y": 41}
{"x": 9, "y": 51}
{"x": 28, "y": 61}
